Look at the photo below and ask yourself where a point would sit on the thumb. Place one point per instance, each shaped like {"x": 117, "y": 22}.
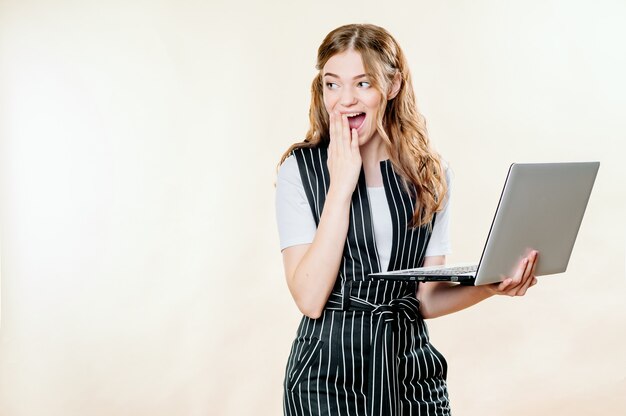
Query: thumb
{"x": 504, "y": 284}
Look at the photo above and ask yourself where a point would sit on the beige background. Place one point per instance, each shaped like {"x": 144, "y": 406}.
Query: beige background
{"x": 141, "y": 273}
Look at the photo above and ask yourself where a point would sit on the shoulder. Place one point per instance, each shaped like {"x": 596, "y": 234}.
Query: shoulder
{"x": 308, "y": 160}
{"x": 448, "y": 172}
{"x": 288, "y": 170}
{"x": 449, "y": 178}
{"x": 448, "y": 175}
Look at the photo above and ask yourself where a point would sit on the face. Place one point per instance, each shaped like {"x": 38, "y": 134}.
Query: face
{"x": 347, "y": 90}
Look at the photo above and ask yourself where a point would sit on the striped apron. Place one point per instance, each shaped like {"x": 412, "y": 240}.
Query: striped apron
{"x": 369, "y": 352}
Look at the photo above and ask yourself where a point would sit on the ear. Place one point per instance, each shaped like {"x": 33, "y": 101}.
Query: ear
{"x": 395, "y": 86}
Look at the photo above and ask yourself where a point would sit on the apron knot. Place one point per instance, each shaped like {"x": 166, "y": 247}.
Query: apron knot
{"x": 407, "y": 308}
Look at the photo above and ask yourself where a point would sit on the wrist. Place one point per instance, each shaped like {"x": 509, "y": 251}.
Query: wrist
{"x": 489, "y": 290}
{"x": 339, "y": 195}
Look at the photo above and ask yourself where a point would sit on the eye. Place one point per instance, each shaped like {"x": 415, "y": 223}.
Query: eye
{"x": 331, "y": 85}
{"x": 364, "y": 84}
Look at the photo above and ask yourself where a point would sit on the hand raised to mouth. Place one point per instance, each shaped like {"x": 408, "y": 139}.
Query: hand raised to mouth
{"x": 344, "y": 156}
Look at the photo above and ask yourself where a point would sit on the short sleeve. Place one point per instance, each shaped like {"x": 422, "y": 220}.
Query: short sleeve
{"x": 294, "y": 218}
{"x": 440, "y": 244}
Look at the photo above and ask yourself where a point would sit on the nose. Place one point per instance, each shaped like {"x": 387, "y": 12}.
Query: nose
{"x": 348, "y": 97}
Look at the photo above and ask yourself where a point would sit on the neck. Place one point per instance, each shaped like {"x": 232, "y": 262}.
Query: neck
{"x": 373, "y": 152}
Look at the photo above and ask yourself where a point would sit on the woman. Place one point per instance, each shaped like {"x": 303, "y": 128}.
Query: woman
{"x": 365, "y": 192}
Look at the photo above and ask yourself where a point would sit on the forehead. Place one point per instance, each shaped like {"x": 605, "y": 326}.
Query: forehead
{"x": 345, "y": 64}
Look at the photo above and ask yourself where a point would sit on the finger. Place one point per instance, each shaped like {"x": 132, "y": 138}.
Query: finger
{"x": 535, "y": 261}
{"x": 345, "y": 132}
{"x": 503, "y": 286}
{"x": 519, "y": 274}
{"x": 331, "y": 129}
{"x": 520, "y": 290}
{"x": 529, "y": 274}
{"x": 527, "y": 283}
{"x": 354, "y": 144}
{"x": 340, "y": 145}
{"x": 532, "y": 277}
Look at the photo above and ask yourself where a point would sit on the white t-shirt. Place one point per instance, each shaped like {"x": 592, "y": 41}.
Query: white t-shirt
{"x": 296, "y": 224}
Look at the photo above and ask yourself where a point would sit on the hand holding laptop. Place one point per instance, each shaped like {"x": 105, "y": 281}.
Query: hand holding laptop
{"x": 518, "y": 284}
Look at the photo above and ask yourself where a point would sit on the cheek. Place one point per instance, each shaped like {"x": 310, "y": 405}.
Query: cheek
{"x": 329, "y": 102}
{"x": 373, "y": 110}
{"x": 371, "y": 99}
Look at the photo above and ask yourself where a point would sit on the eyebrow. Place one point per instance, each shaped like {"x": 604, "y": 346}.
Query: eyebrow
{"x": 329, "y": 74}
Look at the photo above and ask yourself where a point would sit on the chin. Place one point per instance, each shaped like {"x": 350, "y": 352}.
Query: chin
{"x": 366, "y": 138}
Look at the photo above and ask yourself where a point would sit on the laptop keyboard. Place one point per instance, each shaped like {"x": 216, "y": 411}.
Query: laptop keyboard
{"x": 451, "y": 271}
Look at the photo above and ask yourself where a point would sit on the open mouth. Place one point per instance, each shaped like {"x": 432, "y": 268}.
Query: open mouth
{"x": 355, "y": 120}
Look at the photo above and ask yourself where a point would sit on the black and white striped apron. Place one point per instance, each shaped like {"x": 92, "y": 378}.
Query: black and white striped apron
{"x": 369, "y": 352}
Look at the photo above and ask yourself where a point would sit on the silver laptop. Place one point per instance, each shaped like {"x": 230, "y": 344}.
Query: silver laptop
{"x": 541, "y": 208}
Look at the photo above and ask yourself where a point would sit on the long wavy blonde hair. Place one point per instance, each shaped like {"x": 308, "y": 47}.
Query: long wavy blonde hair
{"x": 401, "y": 127}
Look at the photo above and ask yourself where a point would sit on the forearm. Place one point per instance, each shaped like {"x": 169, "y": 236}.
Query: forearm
{"x": 314, "y": 277}
{"x": 440, "y": 298}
